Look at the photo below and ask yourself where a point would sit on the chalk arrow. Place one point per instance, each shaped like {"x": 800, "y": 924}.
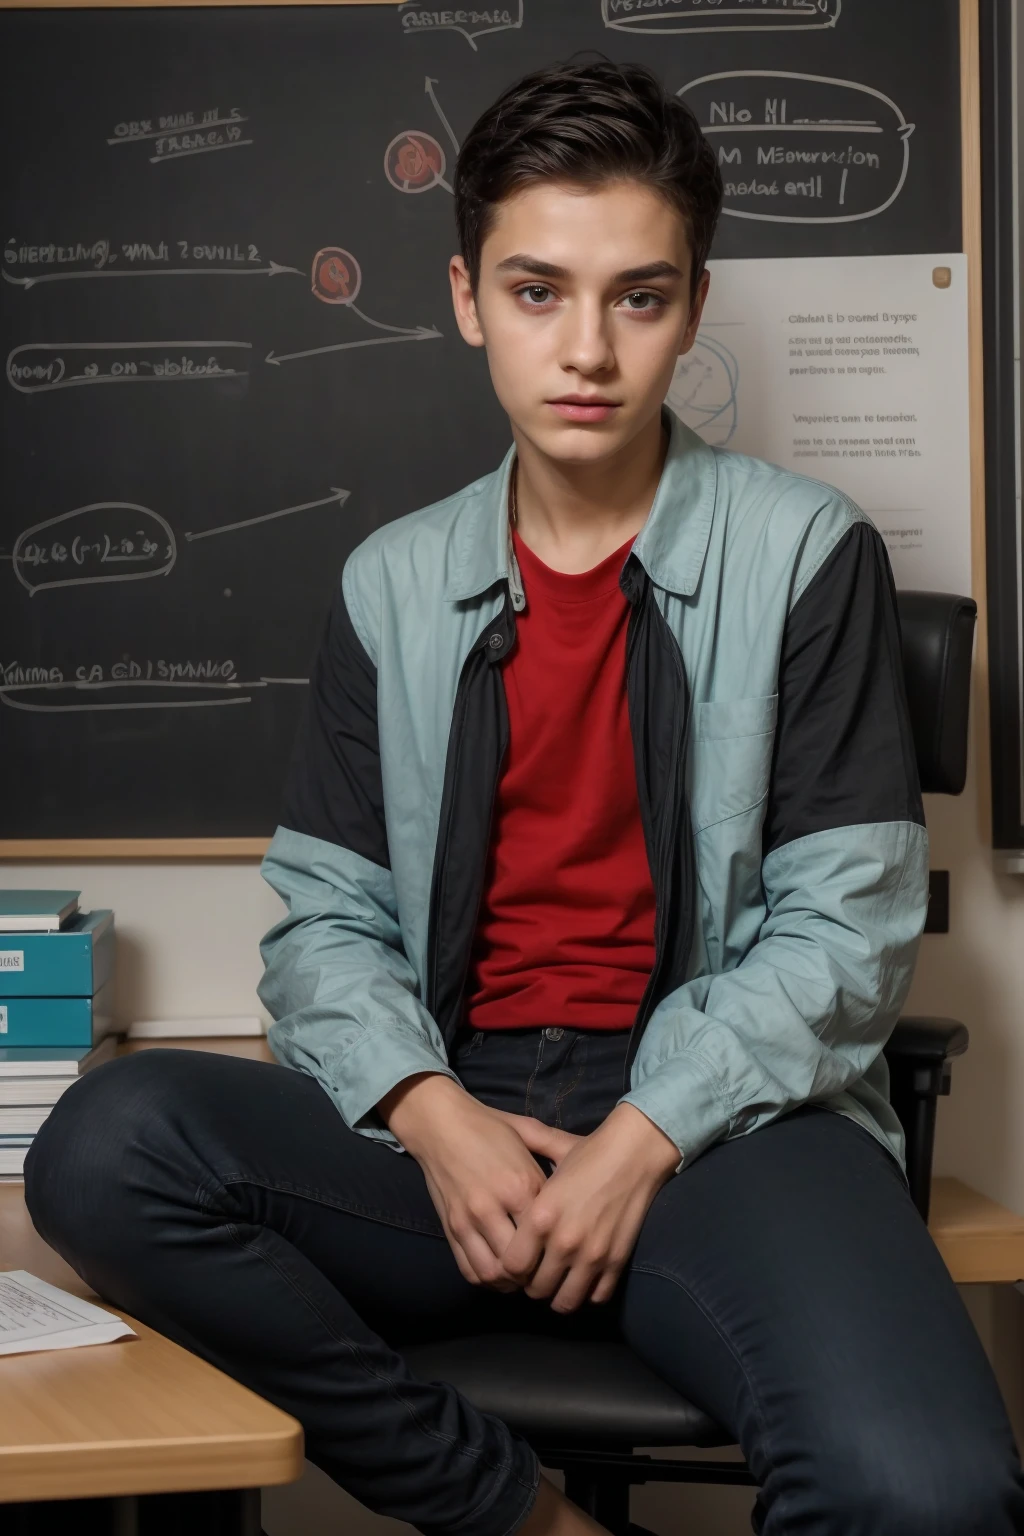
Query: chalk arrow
{"x": 428, "y": 86}
{"x": 337, "y": 495}
{"x": 421, "y": 333}
{"x": 399, "y": 330}
{"x": 272, "y": 270}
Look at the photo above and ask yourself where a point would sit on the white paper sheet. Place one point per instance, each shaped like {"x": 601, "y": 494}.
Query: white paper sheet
{"x": 36, "y": 1315}
{"x": 853, "y": 370}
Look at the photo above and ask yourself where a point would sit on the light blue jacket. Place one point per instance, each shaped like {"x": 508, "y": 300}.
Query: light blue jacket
{"x": 808, "y": 852}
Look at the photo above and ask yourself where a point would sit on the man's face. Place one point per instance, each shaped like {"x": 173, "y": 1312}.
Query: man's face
{"x": 584, "y": 306}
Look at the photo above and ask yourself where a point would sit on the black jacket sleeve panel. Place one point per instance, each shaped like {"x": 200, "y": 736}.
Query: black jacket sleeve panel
{"x": 333, "y": 790}
{"x": 844, "y": 752}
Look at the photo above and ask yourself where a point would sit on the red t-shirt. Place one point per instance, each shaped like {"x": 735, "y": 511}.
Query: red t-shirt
{"x": 566, "y": 927}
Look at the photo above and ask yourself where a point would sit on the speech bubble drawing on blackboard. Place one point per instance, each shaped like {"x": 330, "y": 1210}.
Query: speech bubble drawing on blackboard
{"x": 802, "y": 149}
{"x": 470, "y": 22}
{"x": 720, "y": 15}
{"x": 104, "y": 541}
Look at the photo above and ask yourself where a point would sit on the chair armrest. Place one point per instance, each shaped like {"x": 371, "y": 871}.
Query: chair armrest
{"x": 919, "y": 1053}
{"x": 928, "y": 1041}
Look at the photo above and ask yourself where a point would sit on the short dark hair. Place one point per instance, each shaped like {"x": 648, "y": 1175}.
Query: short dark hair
{"x": 587, "y": 123}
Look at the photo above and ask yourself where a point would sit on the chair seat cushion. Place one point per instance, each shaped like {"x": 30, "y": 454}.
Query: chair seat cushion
{"x": 566, "y": 1392}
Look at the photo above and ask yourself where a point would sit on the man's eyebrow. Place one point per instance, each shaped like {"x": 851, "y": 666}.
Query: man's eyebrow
{"x": 532, "y": 265}
{"x": 647, "y": 274}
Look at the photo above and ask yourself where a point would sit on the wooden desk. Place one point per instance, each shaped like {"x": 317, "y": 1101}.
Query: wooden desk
{"x": 981, "y": 1242}
{"x": 139, "y": 1417}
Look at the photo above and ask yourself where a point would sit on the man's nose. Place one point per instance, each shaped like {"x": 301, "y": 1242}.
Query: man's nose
{"x": 586, "y": 339}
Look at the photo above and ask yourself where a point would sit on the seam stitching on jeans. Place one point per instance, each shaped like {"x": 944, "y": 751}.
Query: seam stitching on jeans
{"x": 664, "y": 1274}
{"x": 533, "y": 1074}
{"x": 564, "y": 1093}
{"x": 357, "y": 1352}
{"x": 353, "y": 1207}
{"x": 492, "y": 1495}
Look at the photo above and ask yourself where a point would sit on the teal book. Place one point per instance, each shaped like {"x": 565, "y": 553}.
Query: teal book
{"x": 57, "y": 1020}
{"x": 75, "y": 961}
{"x": 36, "y": 911}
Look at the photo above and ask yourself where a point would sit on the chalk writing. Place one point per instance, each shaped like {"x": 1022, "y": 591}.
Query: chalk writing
{"x": 36, "y": 367}
{"x": 469, "y": 22}
{"x": 25, "y": 265}
{"x": 156, "y": 683}
{"x": 104, "y": 541}
{"x": 176, "y": 134}
{"x": 802, "y": 149}
{"x": 720, "y": 15}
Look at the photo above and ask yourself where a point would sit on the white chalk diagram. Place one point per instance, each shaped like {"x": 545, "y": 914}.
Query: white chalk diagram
{"x": 470, "y": 22}
{"x": 705, "y": 390}
{"x": 124, "y": 541}
{"x": 39, "y": 367}
{"x": 337, "y": 279}
{"x": 414, "y": 160}
{"x": 692, "y": 16}
{"x": 866, "y": 138}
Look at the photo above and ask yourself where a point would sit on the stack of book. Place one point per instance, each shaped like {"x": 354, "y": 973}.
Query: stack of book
{"x": 56, "y": 968}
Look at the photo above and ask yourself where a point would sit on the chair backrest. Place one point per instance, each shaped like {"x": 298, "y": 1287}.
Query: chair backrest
{"x": 938, "y": 636}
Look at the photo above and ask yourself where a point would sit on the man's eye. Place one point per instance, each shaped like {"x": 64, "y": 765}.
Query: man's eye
{"x": 535, "y": 294}
{"x": 642, "y": 301}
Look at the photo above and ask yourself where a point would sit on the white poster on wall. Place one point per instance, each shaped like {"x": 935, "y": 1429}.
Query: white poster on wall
{"x": 853, "y": 370}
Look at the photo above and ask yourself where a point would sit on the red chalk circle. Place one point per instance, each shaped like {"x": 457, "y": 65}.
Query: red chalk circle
{"x": 414, "y": 161}
{"x": 337, "y": 277}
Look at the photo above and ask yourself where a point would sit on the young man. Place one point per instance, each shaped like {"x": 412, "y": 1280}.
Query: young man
{"x": 605, "y": 868}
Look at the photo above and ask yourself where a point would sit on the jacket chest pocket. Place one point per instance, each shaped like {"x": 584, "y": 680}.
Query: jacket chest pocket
{"x": 732, "y": 757}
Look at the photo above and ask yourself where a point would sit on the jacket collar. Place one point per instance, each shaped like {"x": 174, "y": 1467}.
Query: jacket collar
{"x": 670, "y": 546}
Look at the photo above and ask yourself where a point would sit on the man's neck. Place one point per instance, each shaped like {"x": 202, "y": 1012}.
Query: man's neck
{"x": 573, "y": 516}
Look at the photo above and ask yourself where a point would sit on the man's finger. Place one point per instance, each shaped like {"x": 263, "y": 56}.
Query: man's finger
{"x": 548, "y": 1140}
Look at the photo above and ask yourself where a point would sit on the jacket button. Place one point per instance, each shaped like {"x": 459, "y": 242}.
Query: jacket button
{"x": 496, "y": 642}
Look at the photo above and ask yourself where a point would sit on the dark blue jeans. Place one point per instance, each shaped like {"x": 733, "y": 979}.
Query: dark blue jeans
{"x": 784, "y": 1282}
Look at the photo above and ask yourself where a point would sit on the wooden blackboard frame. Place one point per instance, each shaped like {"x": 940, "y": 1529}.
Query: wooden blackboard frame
{"x": 115, "y": 5}
{"x": 999, "y": 66}
{"x": 246, "y": 848}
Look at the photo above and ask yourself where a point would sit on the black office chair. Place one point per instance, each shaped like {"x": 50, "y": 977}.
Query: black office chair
{"x": 584, "y": 1406}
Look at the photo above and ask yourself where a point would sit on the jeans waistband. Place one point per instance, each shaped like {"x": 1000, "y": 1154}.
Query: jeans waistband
{"x": 571, "y": 1078}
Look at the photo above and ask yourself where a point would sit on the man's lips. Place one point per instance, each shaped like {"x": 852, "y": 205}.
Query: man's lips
{"x": 582, "y": 408}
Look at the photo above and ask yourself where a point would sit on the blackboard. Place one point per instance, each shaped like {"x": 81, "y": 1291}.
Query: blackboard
{"x": 229, "y": 345}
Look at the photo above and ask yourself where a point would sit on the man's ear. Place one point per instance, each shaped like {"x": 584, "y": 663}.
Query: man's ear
{"x": 696, "y": 312}
{"x": 464, "y": 303}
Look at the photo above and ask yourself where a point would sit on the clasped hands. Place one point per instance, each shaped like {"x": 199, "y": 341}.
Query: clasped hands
{"x": 566, "y": 1236}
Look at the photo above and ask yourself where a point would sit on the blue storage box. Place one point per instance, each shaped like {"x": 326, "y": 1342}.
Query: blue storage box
{"x": 57, "y": 1020}
{"x": 76, "y": 961}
